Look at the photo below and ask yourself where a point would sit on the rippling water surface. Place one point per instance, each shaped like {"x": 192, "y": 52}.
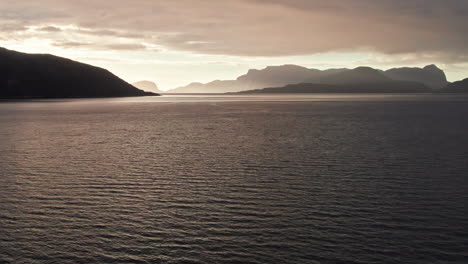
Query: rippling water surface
{"x": 225, "y": 179}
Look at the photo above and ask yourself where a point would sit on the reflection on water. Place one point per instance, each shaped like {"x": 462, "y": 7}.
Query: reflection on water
{"x": 235, "y": 179}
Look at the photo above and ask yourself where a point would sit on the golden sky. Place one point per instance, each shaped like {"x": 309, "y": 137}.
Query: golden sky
{"x": 181, "y": 41}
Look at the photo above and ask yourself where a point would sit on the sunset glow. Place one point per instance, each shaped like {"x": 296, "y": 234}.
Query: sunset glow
{"x": 174, "y": 43}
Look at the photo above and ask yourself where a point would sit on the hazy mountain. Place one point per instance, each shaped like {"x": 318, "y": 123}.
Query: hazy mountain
{"x": 430, "y": 75}
{"x": 278, "y": 76}
{"x": 47, "y": 76}
{"x": 456, "y": 87}
{"x": 358, "y": 80}
{"x": 255, "y": 79}
{"x": 357, "y": 75}
{"x": 211, "y": 87}
{"x": 376, "y": 87}
{"x": 147, "y": 86}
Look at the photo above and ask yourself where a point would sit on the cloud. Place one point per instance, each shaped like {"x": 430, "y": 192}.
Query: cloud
{"x": 100, "y": 46}
{"x": 49, "y": 29}
{"x": 109, "y": 33}
{"x": 9, "y": 28}
{"x": 259, "y": 27}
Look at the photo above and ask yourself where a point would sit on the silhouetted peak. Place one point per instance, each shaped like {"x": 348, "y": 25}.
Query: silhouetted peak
{"x": 365, "y": 69}
{"x": 275, "y": 75}
{"x": 149, "y": 83}
{"x": 356, "y": 75}
{"x": 431, "y": 67}
{"x": 196, "y": 83}
{"x": 361, "y": 71}
{"x": 430, "y": 75}
{"x": 434, "y": 69}
{"x": 147, "y": 86}
{"x": 251, "y": 71}
{"x": 272, "y": 69}
{"x": 285, "y": 67}
{"x": 25, "y": 75}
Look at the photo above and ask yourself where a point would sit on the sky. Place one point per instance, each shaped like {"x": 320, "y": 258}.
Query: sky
{"x": 176, "y": 42}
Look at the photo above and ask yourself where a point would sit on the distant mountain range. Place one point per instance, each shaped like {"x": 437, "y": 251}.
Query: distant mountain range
{"x": 278, "y": 76}
{"x": 147, "y": 86}
{"x": 47, "y": 76}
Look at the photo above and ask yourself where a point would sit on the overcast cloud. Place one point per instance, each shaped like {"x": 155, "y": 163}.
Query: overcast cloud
{"x": 257, "y": 27}
{"x": 382, "y": 33}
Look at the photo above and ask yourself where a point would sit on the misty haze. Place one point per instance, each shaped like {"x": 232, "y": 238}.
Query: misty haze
{"x": 247, "y": 131}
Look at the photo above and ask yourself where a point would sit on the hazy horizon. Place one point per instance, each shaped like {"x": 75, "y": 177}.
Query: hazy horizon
{"x": 177, "y": 43}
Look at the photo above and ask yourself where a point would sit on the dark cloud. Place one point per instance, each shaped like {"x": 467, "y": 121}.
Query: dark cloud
{"x": 28, "y": 11}
{"x": 100, "y": 46}
{"x": 11, "y": 27}
{"x": 49, "y": 29}
{"x": 263, "y": 27}
{"x": 109, "y": 33}
{"x": 70, "y": 44}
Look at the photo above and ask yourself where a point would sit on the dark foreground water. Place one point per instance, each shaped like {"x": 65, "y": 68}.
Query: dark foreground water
{"x": 271, "y": 179}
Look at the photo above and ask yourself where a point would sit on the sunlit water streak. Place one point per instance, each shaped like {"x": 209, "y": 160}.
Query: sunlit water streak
{"x": 235, "y": 179}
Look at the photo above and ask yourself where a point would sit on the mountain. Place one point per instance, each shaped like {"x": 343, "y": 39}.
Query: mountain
{"x": 147, "y": 86}
{"x": 456, "y": 87}
{"x": 355, "y": 76}
{"x": 211, "y": 87}
{"x": 370, "y": 87}
{"x": 46, "y": 76}
{"x": 430, "y": 75}
{"x": 255, "y": 79}
{"x": 279, "y": 76}
{"x": 358, "y": 80}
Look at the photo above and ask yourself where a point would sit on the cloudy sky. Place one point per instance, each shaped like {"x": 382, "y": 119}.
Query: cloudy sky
{"x": 175, "y": 42}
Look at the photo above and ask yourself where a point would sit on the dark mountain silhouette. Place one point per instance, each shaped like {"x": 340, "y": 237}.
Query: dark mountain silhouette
{"x": 430, "y": 75}
{"x": 217, "y": 86}
{"x": 279, "y": 76}
{"x": 255, "y": 79}
{"x": 355, "y": 76}
{"x": 456, "y": 87}
{"x": 47, "y": 76}
{"x": 358, "y": 80}
{"x": 370, "y": 87}
{"x": 147, "y": 86}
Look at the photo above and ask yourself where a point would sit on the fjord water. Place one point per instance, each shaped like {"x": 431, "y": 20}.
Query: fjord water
{"x": 235, "y": 179}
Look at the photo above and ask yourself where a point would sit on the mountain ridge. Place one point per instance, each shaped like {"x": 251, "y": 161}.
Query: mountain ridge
{"x": 25, "y": 75}
{"x": 456, "y": 87}
{"x": 378, "y": 87}
{"x": 148, "y": 86}
{"x": 430, "y": 75}
{"x": 279, "y": 76}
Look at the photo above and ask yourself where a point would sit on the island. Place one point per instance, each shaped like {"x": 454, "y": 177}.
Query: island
{"x": 377, "y": 87}
{"x": 148, "y": 86}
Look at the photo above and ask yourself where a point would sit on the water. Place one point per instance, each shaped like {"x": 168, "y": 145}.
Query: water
{"x": 235, "y": 179}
